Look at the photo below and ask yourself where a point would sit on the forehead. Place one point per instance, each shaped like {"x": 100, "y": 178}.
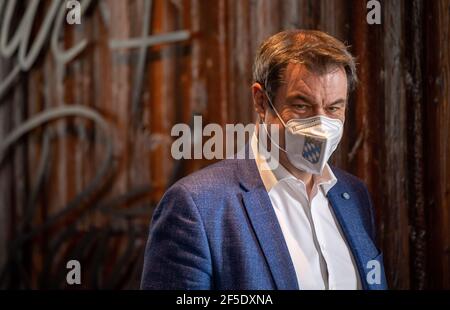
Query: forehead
{"x": 328, "y": 83}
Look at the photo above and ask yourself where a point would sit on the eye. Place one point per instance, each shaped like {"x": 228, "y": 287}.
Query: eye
{"x": 301, "y": 106}
{"x": 333, "y": 109}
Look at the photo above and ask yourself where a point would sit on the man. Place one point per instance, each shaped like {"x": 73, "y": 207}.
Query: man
{"x": 300, "y": 224}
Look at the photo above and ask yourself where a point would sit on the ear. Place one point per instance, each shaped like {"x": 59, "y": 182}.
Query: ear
{"x": 259, "y": 100}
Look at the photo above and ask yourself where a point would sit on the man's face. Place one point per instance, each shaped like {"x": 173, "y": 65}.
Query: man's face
{"x": 304, "y": 94}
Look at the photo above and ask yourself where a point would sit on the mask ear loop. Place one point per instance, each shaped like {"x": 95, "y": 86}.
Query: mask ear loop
{"x": 265, "y": 128}
{"x": 275, "y": 110}
{"x": 270, "y": 137}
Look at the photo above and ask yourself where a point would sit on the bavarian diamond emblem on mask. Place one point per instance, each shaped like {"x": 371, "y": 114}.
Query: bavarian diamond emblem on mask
{"x": 312, "y": 149}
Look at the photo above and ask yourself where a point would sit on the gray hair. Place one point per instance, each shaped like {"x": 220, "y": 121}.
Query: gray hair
{"x": 315, "y": 49}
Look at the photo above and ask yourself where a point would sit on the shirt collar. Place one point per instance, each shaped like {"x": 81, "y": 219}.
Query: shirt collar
{"x": 273, "y": 176}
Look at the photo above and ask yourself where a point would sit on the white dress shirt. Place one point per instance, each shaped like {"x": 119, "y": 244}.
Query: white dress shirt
{"x": 319, "y": 252}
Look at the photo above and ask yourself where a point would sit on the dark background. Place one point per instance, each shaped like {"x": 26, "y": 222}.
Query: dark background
{"x": 73, "y": 188}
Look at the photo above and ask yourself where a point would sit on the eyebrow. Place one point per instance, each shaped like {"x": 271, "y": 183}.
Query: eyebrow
{"x": 311, "y": 101}
{"x": 339, "y": 101}
{"x": 302, "y": 97}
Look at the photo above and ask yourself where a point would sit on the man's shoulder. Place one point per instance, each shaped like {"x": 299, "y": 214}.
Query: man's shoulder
{"x": 351, "y": 180}
{"x": 224, "y": 174}
{"x": 215, "y": 178}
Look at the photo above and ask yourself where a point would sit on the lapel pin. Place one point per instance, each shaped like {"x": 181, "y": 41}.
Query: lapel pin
{"x": 346, "y": 196}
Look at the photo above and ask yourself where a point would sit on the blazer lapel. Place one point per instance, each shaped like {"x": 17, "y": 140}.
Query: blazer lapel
{"x": 344, "y": 203}
{"x": 267, "y": 229}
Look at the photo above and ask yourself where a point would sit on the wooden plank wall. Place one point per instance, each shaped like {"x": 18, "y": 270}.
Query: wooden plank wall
{"x": 397, "y": 133}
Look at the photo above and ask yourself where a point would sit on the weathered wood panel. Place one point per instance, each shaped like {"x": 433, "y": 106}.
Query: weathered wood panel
{"x": 437, "y": 141}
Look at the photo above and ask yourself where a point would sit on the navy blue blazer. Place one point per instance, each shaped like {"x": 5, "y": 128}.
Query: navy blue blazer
{"x": 216, "y": 229}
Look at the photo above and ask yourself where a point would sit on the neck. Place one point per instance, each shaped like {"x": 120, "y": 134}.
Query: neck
{"x": 305, "y": 177}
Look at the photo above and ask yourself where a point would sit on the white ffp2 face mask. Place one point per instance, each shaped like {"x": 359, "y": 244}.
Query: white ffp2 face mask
{"x": 310, "y": 141}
